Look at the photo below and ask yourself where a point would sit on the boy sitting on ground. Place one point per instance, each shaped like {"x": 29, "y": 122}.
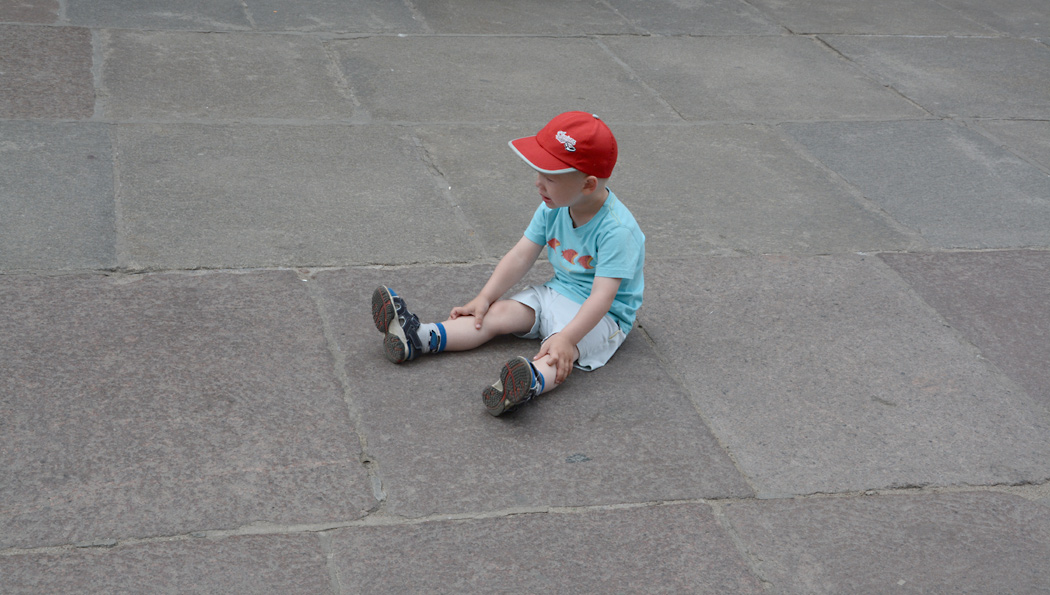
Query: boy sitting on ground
{"x": 583, "y": 313}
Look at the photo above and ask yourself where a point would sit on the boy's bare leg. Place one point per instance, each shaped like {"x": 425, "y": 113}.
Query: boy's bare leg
{"x": 504, "y": 317}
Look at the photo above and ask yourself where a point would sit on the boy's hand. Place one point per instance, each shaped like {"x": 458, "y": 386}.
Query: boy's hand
{"x": 476, "y": 307}
{"x": 560, "y": 353}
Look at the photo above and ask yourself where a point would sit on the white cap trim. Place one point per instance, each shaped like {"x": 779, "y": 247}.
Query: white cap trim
{"x": 542, "y": 171}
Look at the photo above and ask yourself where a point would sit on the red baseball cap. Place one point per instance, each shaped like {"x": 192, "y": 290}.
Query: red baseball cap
{"x": 573, "y": 141}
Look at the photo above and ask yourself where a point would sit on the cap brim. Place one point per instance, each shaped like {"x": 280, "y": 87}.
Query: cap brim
{"x": 538, "y": 158}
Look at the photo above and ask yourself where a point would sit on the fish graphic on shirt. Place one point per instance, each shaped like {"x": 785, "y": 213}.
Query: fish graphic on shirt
{"x": 587, "y": 262}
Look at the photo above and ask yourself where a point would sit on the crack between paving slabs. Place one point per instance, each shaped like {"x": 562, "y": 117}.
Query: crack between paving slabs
{"x": 1034, "y": 492}
{"x": 334, "y": 578}
{"x": 668, "y": 369}
{"x": 339, "y": 369}
{"x": 751, "y": 560}
{"x": 445, "y": 188}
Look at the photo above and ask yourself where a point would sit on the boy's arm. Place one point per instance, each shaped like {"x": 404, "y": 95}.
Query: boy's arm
{"x": 511, "y": 269}
{"x": 560, "y": 349}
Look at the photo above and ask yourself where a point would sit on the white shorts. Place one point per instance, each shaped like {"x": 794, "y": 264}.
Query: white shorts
{"x": 555, "y": 311}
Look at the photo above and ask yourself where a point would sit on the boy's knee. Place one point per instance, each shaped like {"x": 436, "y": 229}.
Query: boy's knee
{"x": 511, "y": 316}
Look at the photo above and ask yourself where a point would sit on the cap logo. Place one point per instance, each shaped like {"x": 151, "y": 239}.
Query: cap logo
{"x": 564, "y": 138}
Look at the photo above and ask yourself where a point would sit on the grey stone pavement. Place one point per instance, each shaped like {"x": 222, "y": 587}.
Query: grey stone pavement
{"x": 840, "y": 379}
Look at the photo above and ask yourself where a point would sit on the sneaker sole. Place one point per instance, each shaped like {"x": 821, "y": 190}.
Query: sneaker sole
{"x": 384, "y": 314}
{"x": 515, "y": 380}
{"x": 383, "y": 311}
{"x": 395, "y": 348}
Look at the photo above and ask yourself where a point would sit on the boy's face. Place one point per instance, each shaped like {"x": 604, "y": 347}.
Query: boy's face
{"x": 561, "y": 190}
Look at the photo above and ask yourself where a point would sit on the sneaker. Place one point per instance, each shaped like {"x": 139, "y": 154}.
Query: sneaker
{"x": 392, "y": 317}
{"x": 517, "y": 384}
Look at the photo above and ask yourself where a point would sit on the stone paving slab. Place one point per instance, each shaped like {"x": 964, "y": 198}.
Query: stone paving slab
{"x": 365, "y": 16}
{"x": 863, "y": 17}
{"x": 491, "y": 79}
{"x": 182, "y": 75}
{"x": 46, "y": 72}
{"x": 950, "y": 184}
{"x": 742, "y": 189}
{"x": 251, "y": 196}
{"x": 757, "y": 79}
{"x": 941, "y": 543}
{"x": 624, "y": 433}
{"x": 959, "y": 77}
{"x": 161, "y": 405}
{"x": 29, "y": 11}
{"x": 827, "y": 374}
{"x": 277, "y": 564}
{"x": 663, "y": 549}
{"x": 56, "y": 196}
{"x": 998, "y": 300}
{"x": 1022, "y": 18}
{"x": 197, "y": 15}
{"x": 1030, "y": 139}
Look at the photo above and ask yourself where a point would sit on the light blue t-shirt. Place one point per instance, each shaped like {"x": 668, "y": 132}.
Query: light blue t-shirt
{"x": 609, "y": 245}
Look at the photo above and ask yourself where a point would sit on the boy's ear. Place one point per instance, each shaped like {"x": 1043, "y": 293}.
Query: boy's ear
{"x": 590, "y": 184}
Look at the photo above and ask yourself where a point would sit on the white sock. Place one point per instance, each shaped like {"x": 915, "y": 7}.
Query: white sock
{"x": 432, "y": 334}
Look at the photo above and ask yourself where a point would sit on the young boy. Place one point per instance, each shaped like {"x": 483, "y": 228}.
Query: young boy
{"x": 583, "y": 314}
